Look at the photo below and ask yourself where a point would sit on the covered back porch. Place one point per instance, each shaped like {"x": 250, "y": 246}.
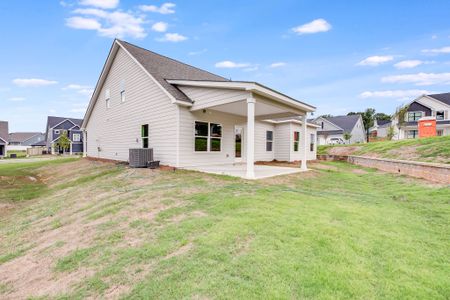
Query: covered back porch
{"x": 254, "y": 107}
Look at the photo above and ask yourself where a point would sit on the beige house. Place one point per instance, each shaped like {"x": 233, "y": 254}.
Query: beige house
{"x": 190, "y": 117}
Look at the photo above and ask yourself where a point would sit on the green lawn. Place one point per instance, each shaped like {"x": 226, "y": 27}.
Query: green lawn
{"x": 424, "y": 149}
{"x": 337, "y": 232}
{"x": 19, "y": 153}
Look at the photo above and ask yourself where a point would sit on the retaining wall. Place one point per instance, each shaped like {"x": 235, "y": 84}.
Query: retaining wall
{"x": 430, "y": 171}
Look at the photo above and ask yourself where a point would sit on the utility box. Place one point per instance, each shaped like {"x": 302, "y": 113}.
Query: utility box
{"x": 427, "y": 127}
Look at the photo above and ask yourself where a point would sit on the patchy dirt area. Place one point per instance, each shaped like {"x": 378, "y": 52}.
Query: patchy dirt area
{"x": 344, "y": 150}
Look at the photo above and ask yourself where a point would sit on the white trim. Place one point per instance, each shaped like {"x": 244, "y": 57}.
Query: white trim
{"x": 4, "y": 141}
{"x": 63, "y": 122}
{"x": 247, "y": 86}
{"x": 250, "y": 174}
{"x": 329, "y": 122}
{"x": 293, "y": 121}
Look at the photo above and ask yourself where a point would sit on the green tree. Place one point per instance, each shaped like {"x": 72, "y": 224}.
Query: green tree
{"x": 347, "y": 136}
{"x": 390, "y": 133}
{"x": 382, "y": 116}
{"x": 63, "y": 141}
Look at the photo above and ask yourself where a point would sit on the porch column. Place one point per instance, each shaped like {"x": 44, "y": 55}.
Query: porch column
{"x": 71, "y": 148}
{"x": 84, "y": 143}
{"x": 250, "y": 138}
{"x": 303, "y": 144}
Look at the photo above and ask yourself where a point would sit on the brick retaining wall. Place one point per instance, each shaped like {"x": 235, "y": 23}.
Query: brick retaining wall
{"x": 430, "y": 171}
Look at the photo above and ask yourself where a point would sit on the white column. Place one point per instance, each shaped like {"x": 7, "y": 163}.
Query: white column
{"x": 250, "y": 138}
{"x": 303, "y": 143}
{"x": 84, "y": 143}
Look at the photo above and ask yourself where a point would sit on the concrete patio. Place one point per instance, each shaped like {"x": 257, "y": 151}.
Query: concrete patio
{"x": 240, "y": 170}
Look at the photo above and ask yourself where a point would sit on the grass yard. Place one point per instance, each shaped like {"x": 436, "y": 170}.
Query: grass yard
{"x": 434, "y": 149}
{"x": 19, "y": 153}
{"x": 98, "y": 230}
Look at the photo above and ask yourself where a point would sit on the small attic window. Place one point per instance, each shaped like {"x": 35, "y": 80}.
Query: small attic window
{"x": 108, "y": 98}
{"x": 122, "y": 91}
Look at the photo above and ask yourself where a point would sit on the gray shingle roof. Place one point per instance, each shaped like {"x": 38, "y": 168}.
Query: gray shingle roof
{"x": 328, "y": 132}
{"x": 383, "y": 122}
{"x": 52, "y": 121}
{"x": 20, "y": 137}
{"x": 4, "y": 130}
{"x": 345, "y": 122}
{"x": 444, "y": 97}
{"x": 162, "y": 68}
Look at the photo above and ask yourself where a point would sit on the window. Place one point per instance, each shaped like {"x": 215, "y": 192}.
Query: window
{"x": 440, "y": 115}
{"x": 107, "y": 98}
{"x": 57, "y": 131}
{"x": 412, "y": 134}
{"x": 440, "y": 132}
{"x": 144, "y": 136}
{"x": 312, "y": 142}
{"x": 321, "y": 125}
{"x": 296, "y": 140}
{"x": 269, "y": 140}
{"x": 414, "y": 116}
{"x": 76, "y": 137}
{"x": 122, "y": 91}
{"x": 208, "y": 137}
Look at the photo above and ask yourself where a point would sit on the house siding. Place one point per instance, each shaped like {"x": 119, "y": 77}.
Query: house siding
{"x": 210, "y": 96}
{"x": 358, "y": 133}
{"x": 261, "y": 129}
{"x": 115, "y": 130}
{"x": 283, "y": 141}
{"x": 296, "y": 155}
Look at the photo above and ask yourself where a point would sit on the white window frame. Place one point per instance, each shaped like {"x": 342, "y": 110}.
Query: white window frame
{"x": 441, "y": 131}
{"x": 294, "y": 141}
{"x": 57, "y": 131}
{"x": 269, "y": 141}
{"x": 108, "y": 98}
{"x": 443, "y": 114}
{"x": 209, "y": 137}
{"x": 312, "y": 142}
{"x": 408, "y": 136}
{"x": 76, "y": 139}
{"x": 122, "y": 91}
{"x": 414, "y": 112}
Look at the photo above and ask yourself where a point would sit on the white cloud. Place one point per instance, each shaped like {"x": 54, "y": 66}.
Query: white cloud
{"x": 443, "y": 50}
{"x": 172, "y": 37}
{"x": 80, "y": 89}
{"x": 375, "y": 60}
{"x": 33, "y": 82}
{"x": 419, "y": 79}
{"x": 198, "y": 52}
{"x": 110, "y": 24}
{"x": 407, "y": 64}
{"x": 318, "y": 25}
{"x": 278, "y": 64}
{"x": 83, "y": 23}
{"x": 394, "y": 94}
{"x": 106, "y": 4}
{"x": 165, "y": 9}
{"x": 16, "y": 99}
{"x": 160, "y": 27}
{"x": 231, "y": 65}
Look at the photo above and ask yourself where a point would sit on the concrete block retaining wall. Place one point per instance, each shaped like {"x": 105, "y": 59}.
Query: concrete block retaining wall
{"x": 430, "y": 171}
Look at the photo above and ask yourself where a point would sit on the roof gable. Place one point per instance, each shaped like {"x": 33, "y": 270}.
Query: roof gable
{"x": 20, "y": 137}
{"x": 162, "y": 68}
{"x": 347, "y": 123}
{"x": 55, "y": 121}
{"x": 444, "y": 97}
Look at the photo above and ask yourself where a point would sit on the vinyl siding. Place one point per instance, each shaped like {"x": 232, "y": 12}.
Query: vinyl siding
{"x": 283, "y": 141}
{"x": 188, "y": 155}
{"x": 210, "y": 96}
{"x": 260, "y": 141}
{"x": 296, "y": 155}
{"x": 358, "y": 133}
{"x": 117, "y": 129}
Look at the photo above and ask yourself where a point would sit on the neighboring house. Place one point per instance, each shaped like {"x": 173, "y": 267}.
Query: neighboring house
{"x": 332, "y": 129}
{"x": 56, "y": 126}
{"x": 190, "y": 117}
{"x": 3, "y": 138}
{"x": 380, "y": 128}
{"x": 25, "y": 139}
{"x": 435, "y": 105}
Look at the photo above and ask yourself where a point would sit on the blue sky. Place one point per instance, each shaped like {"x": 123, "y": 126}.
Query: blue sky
{"x": 339, "y": 56}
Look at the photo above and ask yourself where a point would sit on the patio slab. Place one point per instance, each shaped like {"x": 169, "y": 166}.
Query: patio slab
{"x": 240, "y": 170}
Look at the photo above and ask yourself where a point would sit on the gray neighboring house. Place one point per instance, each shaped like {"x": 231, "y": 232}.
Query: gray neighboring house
{"x": 380, "y": 128}
{"x": 331, "y": 129}
{"x": 25, "y": 138}
{"x": 191, "y": 117}
{"x": 3, "y": 138}
{"x": 55, "y": 128}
